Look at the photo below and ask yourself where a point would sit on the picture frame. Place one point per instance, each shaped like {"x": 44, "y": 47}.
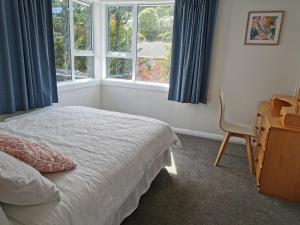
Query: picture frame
{"x": 264, "y": 27}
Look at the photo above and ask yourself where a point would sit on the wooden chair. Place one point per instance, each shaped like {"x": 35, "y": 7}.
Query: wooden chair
{"x": 236, "y": 130}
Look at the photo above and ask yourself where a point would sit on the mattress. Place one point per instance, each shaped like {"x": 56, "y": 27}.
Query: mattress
{"x": 117, "y": 155}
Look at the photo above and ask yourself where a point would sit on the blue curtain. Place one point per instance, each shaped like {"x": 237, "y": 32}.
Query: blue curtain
{"x": 194, "y": 23}
{"x": 27, "y": 64}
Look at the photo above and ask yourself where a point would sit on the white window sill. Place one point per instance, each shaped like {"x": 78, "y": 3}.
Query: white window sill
{"x": 158, "y": 87}
{"x": 73, "y": 85}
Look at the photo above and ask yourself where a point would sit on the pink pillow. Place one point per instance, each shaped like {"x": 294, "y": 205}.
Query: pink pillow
{"x": 39, "y": 157}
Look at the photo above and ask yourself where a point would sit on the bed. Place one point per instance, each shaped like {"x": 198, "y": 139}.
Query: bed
{"x": 117, "y": 155}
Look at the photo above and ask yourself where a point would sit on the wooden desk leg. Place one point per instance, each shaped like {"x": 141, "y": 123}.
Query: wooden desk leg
{"x": 222, "y": 148}
{"x": 249, "y": 153}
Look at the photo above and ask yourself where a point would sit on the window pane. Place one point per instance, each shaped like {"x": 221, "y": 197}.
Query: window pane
{"x": 82, "y": 14}
{"x": 84, "y": 67}
{"x": 119, "y": 68}
{"x": 155, "y": 30}
{"x": 62, "y": 39}
{"x": 120, "y": 28}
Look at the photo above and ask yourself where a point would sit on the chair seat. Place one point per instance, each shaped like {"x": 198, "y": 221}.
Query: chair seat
{"x": 238, "y": 128}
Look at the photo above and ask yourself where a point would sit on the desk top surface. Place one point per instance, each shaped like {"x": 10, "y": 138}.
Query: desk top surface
{"x": 272, "y": 121}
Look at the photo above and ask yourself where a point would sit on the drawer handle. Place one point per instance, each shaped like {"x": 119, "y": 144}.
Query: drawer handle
{"x": 259, "y": 115}
{"x": 259, "y": 144}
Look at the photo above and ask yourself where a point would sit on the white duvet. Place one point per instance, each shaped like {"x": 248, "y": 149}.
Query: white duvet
{"x": 117, "y": 156}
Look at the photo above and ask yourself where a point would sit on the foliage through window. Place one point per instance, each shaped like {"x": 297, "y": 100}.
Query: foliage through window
{"x": 73, "y": 39}
{"x": 139, "y": 42}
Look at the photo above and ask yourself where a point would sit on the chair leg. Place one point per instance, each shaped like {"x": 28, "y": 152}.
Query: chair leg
{"x": 222, "y": 148}
{"x": 250, "y": 154}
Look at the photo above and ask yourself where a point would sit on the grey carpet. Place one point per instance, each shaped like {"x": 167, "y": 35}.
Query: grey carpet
{"x": 201, "y": 194}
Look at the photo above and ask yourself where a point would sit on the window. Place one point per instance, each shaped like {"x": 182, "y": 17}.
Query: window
{"x": 61, "y": 30}
{"x": 120, "y": 31}
{"x": 73, "y": 39}
{"x": 139, "y": 42}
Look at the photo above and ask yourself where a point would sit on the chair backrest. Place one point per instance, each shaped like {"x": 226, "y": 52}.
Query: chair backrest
{"x": 222, "y": 103}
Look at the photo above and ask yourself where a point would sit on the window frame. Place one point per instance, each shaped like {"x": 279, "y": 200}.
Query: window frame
{"x": 132, "y": 55}
{"x": 73, "y": 52}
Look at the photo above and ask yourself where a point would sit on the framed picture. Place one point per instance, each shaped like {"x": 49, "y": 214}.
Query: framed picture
{"x": 263, "y": 27}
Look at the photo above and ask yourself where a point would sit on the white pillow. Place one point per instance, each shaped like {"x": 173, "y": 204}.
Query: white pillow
{"x": 3, "y": 218}
{"x": 20, "y": 184}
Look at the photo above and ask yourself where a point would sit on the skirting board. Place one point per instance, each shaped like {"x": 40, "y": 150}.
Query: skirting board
{"x": 207, "y": 135}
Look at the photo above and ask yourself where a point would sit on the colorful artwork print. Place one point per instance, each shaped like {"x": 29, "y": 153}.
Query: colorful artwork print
{"x": 263, "y": 27}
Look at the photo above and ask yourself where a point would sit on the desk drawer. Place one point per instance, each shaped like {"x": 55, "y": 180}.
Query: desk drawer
{"x": 261, "y": 154}
{"x": 258, "y": 131}
{"x": 260, "y": 150}
{"x": 258, "y": 122}
{"x": 262, "y": 136}
{"x": 258, "y": 174}
{"x": 263, "y": 133}
{"x": 259, "y": 163}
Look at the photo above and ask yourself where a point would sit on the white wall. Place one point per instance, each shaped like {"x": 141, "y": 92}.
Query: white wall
{"x": 248, "y": 74}
{"x": 252, "y": 73}
{"x": 84, "y": 96}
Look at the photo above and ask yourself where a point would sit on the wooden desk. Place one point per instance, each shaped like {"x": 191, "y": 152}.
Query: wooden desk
{"x": 277, "y": 156}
